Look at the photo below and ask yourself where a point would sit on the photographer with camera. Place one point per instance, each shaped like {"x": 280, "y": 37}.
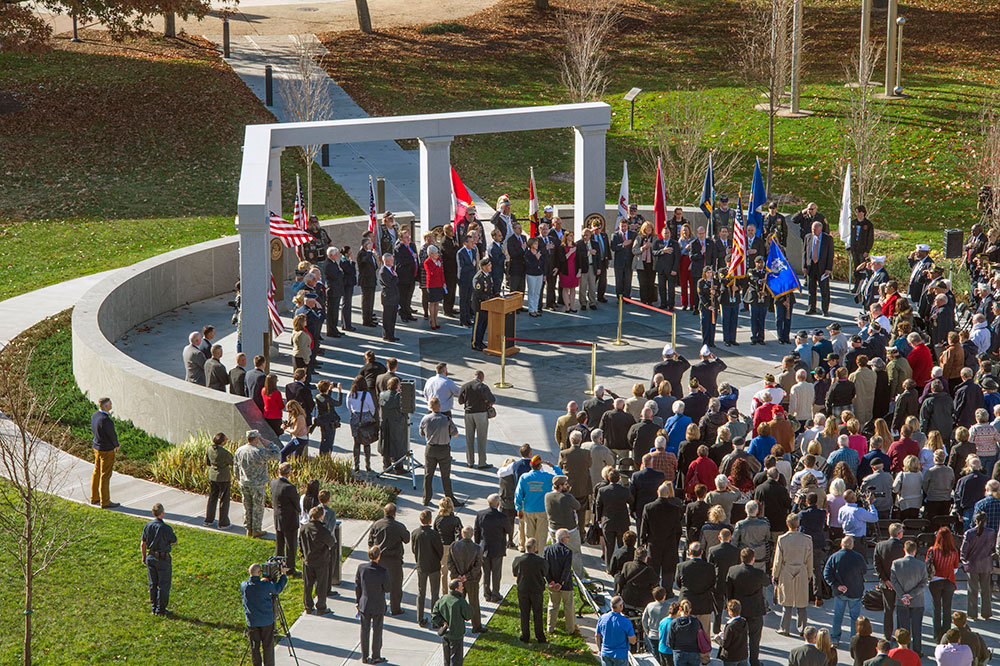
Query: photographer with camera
{"x": 258, "y": 593}
{"x": 854, "y": 518}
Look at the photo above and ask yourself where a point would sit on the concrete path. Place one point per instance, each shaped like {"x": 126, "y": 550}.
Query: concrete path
{"x": 351, "y": 163}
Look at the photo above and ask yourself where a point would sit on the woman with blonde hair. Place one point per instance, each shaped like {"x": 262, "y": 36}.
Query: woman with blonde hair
{"x": 643, "y": 262}
{"x": 301, "y": 344}
{"x": 825, "y": 645}
{"x": 934, "y": 443}
{"x": 634, "y": 404}
{"x": 710, "y": 530}
{"x": 882, "y": 430}
{"x": 449, "y": 526}
{"x": 297, "y": 427}
{"x": 835, "y": 500}
{"x": 569, "y": 275}
{"x": 828, "y": 438}
{"x": 908, "y": 488}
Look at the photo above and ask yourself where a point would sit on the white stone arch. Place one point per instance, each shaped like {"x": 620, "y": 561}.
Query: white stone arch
{"x": 260, "y": 182}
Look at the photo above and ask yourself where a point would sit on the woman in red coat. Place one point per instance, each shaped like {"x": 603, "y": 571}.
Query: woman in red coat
{"x": 434, "y": 269}
{"x": 274, "y": 404}
{"x": 702, "y": 470}
{"x": 921, "y": 359}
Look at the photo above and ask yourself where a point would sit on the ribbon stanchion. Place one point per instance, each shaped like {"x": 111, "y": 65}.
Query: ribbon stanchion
{"x": 593, "y": 368}
{"x": 618, "y": 342}
{"x": 503, "y": 383}
{"x": 672, "y": 315}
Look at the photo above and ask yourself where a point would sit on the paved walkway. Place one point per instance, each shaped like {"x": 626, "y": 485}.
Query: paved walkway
{"x": 350, "y": 163}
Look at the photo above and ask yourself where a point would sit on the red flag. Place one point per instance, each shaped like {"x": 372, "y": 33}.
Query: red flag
{"x": 462, "y": 200}
{"x": 659, "y": 201}
{"x": 533, "y": 204}
{"x": 372, "y": 215}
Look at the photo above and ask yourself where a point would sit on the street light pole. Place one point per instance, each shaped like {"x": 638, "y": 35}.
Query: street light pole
{"x": 890, "y": 50}
{"x": 898, "y": 90}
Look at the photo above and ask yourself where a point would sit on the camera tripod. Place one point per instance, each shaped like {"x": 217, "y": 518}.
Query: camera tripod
{"x": 406, "y": 459}
{"x": 279, "y": 614}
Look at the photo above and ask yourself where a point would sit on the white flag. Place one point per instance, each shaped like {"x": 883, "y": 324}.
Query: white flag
{"x": 845, "y": 210}
{"x": 623, "y": 193}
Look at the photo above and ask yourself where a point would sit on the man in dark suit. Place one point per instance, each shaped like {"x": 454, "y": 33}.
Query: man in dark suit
{"x": 756, "y": 245}
{"x": 817, "y": 262}
{"x": 238, "y": 376}
{"x": 350, "y": 281}
{"x": 875, "y": 276}
{"x": 612, "y": 511}
{"x": 333, "y": 276}
{"x": 747, "y": 583}
{"x": 318, "y": 546}
{"x": 808, "y": 654}
{"x": 635, "y": 582}
{"x": 531, "y": 572}
{"x": 516, "y": 247}
{"x": 615, "y": 424}
{"x": 216, "y": 376}
{"x": 668, "y": 264}
{"x": 255, "y": 382}
{"x": 298, "y": 390}
{"x": 492, "y": 530}
{"x": 920, "y": 262}
{"x": 468, "y": 264}
{"x": 707, "y": 373}
{"x": 367, "y": 280}
{"x": 888, "y": 551}
{"x": 621, "y": 248}
{"x": 602, "y": 244}
{"x": 371, "y": 584}
{"x": 672, "y": 367}
{"x": 882, "y": 658}
{"x": 390, "y": 297}
{"x": 661, "y": 533}
{"x": 427, "y": 551}
{"x": 498, "y": 259}
{"x": 696, "y": 578}
{"x": 723, "y": 556}
{"x": 702, "y": 253}
{"x": 285, "y": 503}
{"x": 643, "y": 486}
{"x": 804, "y": 219}
{"x": 105, "y": 447}
{"x": 908, "y": 576}
{"x": 389, "y": 535}
{"x": 862, "y": 235}
{"x": 405, "y": 254}
{"x": 465, "y": 562}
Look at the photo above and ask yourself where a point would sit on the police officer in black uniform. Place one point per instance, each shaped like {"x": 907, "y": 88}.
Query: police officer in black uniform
{"x": 483, "y": 289}
{"x": 157, "y": 539}
{"x": 709, "y": 292}
{"x": 774, "y": 224}
{"x": 755, "y": 296}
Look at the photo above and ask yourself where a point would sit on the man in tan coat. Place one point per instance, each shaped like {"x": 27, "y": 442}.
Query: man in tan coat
{"x": 575, "y": 463}
{"x": 792, "y": 574}
{"x": 564, "y": 423}
{"x": 864, "y": 390}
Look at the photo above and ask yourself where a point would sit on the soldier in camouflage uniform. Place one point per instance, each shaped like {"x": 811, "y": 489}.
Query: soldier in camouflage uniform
{"x": 251, "y": 466}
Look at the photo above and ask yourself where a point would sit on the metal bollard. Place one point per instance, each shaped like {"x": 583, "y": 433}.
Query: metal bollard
{"x": 268, "y": 86}
{"x": 325, "y": 155}
{"x": 618, "y": 342}
{"x": 898, "y": 90}
{"x": 503, "y": 383}
{"x": 225, "y": 38}
{"x": 593, "y": 369}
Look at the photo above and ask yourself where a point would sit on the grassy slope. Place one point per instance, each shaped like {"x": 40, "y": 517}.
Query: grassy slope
{"x": 506, "y": 57}
{"x": 92, "y": 605}
{"x": 123, "y": 151}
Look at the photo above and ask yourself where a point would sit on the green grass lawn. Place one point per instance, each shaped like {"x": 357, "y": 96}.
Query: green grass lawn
{"x": 687, "y": 47}
{"x": 121, "y": 152}
{"x": 501, "y": 644}
{"x": 92, "y": 604}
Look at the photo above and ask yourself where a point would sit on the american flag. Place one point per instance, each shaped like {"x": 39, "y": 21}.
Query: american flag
{"x": 372, "y": 214}
{"x": 290, "y": 235}
{"x": 738, "y": 264}
{"x": 300, "y": 217}
{"x": 277, "y": 328}
{"x": 533, "y": 203}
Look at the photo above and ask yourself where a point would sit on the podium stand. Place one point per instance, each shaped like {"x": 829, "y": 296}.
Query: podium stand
{"x": 502, "y": 313}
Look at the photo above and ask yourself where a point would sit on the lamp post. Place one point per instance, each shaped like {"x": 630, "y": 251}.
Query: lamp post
{"x": 898, "y": 90}
{"x": 796, "y": 50}
{"x": 890, "y": 50}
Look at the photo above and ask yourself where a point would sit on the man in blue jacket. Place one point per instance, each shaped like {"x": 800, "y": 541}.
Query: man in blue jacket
{"x": 529, "y": 499}
{"x": 845, "y": 574}
{"x": 259, "y": 611}
{"x": 105, "y": 446}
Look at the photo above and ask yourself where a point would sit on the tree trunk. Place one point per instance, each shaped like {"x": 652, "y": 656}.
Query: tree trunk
{"x": 770, "y": 148}
{"x": 29, "y": 576}
{"x": 364, "y": 17}
{"x": 309, "y": 187}
{"x": 169, "y": 25}
{"x": 542, "y": 5}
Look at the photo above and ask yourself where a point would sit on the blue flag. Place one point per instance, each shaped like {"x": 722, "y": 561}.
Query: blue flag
{"x": 758, "y": 197}
{"x": 781, "y": 278}
{"x": 708, "y": 197}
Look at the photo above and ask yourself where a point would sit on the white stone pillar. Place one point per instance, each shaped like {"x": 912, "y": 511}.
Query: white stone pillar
{"x": 274, "y": 181}
{"x": 590, "y": 175}
{"x": 866, "y": 22}
{"x": 435, "y": 183}
{"x": 796, "y": 53}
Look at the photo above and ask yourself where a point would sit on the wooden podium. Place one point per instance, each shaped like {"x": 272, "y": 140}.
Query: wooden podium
{"x": 502, "y": 319}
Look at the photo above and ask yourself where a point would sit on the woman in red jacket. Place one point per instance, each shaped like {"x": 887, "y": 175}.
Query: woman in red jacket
{"x": 274, "y": 404}
{"x": 434, "y": 269}
{"x": 921, "y": 359}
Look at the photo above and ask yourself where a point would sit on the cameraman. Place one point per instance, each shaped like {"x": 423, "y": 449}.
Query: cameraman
{"x": 854, "y": 519}
{"x": 258, "y": 608}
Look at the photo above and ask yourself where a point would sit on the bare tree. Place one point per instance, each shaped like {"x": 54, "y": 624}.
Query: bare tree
{"x": 682, "y": 138}
{"x": 364, "y": 17}
{"x": 306, "y": 96}
{"x": 582, "y": 65}
{"x": 866, "y": 135}
{"x": 34, "y": 531}
{"x": 763, "y": 58}
{"x": 986, "y": 161}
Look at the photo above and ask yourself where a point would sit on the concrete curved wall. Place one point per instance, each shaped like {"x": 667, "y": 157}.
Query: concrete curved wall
{"x": 162, "y": 404}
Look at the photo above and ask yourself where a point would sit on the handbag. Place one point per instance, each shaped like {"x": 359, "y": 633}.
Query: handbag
{"x": 593, "y": 536}
{"x": 704, "y": 644}
{"x": 491, "y": 412}
{"x": 931, "y": 569}
{"x": 873, "y": 599}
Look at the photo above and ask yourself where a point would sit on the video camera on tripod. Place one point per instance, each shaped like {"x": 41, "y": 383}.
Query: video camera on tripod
{"x": 273, "y": 567}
